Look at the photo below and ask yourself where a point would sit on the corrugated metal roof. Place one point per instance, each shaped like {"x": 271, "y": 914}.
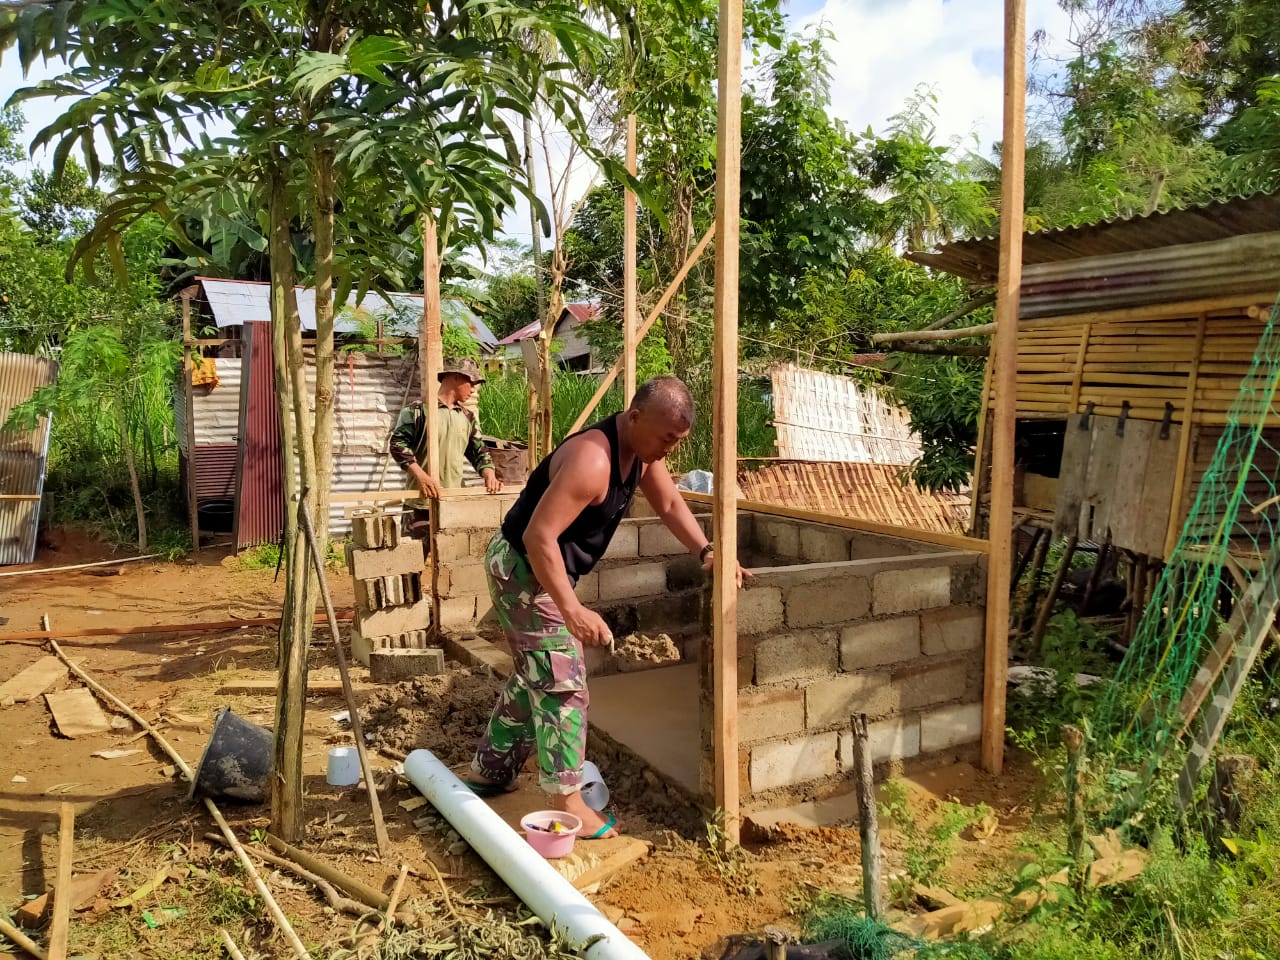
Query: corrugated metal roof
{"x": 582, "y": 311}
{"x": 237, "y": 302}
{"x": 527, "y": 332}
{"x": 23, "y": 454}
{"x": 978, "y": 259}
{"x": 867, "y": 491}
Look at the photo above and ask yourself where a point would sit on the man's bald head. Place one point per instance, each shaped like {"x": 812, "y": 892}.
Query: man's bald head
{"x": 668, "y": 397}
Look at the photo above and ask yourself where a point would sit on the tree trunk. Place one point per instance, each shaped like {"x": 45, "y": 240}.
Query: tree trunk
{"x": 138, "y": 507}
{"x": 555, "y": 306}
{"x": 323, "y": 170}
{"x": 535, "y": 228}
{"x": 297, "y": 616}
{"x": 680, "y": 236}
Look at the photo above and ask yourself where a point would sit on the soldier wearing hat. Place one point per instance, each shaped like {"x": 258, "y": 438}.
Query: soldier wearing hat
{"x": 459, "y": 437}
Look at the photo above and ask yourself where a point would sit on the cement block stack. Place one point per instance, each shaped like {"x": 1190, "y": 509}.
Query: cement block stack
{"x": 393, "y": 628}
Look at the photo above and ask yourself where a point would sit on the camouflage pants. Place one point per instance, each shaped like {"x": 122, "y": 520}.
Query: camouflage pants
{"x": 544, "y": 703}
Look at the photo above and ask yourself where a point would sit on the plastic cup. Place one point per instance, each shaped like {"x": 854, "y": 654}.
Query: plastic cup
{"x": 594, "y": 792}
{"x": 344, "y": 767}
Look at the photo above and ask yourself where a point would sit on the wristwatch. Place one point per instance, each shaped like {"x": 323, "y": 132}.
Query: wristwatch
{"x": 702, "y": 556}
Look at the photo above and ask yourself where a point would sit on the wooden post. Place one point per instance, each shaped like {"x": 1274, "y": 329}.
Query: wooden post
{"x": 1184, "y": 441}
{"x": 868, "y": 819}
{"x": 189, "y": 405}
{"x": 1046, "y": 611}
{"x": 630, "y": 289}
{"x": 432, "y": 360}
{"x": 1004, "y": 381}
{"x": 724, "y": 597}
{"x": 62, "y": 886}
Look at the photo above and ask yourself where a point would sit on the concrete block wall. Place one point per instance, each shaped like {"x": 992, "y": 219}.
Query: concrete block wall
{"x": 646, "y": 582}
{"x": 857, "y": 629}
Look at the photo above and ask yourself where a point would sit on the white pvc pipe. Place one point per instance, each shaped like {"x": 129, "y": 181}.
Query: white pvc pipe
{"x": 549, "y": 895}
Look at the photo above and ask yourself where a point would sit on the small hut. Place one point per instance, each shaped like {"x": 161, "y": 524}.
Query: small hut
{"x": 1136, "y": 337}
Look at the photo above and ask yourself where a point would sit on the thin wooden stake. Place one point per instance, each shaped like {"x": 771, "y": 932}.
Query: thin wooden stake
{"x": 868, "y": 817}
{"x": 60, "y": 926}
{"x": 725, "y": 419}
{"x": 353, "y": 708}
{"x": 1004, "y": 381}
{"x": 1051, "y": 598}
{"x": 22, "y": 940}
{"x": 630, "y": 289}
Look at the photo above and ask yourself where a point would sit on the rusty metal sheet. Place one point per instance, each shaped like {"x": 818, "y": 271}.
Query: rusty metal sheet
{"x": 259, "y": 475}
{"x": 23, "y": 455}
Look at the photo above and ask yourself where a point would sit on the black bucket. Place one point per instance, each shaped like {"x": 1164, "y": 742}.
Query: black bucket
{"x": 236, "y": 764}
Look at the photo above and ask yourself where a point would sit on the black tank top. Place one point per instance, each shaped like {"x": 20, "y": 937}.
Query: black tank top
{"x": 586, "y": 539}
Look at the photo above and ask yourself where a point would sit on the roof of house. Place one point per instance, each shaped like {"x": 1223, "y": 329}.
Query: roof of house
{"x": 527, "y": 332}
{"x": 236, "y": 302}
{"x": 867, "y": 491}
{"x": 578, "y": 311}
{"x": 582, "y": 311}
{"x": 978, "y": 259}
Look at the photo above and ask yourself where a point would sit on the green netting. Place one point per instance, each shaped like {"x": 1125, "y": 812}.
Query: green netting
{"x": 1201, "y": 671}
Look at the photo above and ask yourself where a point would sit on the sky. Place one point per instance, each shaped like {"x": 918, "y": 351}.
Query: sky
{"x": 882, "y": 52}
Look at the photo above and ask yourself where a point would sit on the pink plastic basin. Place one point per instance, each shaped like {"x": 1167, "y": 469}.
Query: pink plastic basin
{"x": 550, "y": 845}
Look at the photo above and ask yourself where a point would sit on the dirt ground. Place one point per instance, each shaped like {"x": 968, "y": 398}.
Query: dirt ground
{"x": 133, "y": 816}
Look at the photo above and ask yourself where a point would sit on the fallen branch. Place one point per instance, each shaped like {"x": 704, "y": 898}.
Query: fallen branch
{"x": 394, "y": 900}
{"x": 941, "y": 350}
{"x": 966, "y": 308}
{"x": 981, "y": 330}
{"x": 361, "y": 891}
{"x": 22, "y": 940}
{"x": 206, "y": 627}
{"x": 80, "y": 566}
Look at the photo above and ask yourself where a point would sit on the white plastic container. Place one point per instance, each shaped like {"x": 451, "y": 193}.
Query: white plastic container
{"x": 594, "y": 792}
{"x": 344, "y": 767}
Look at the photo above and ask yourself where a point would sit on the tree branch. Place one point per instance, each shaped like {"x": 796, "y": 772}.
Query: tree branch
{"x": 963, "y": 310}
{"x": 948, "y": 350}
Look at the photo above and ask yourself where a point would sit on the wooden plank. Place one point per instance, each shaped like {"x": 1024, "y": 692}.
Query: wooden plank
{"x": 62, "y": 892}
{"x": 1076, "y": 445}
{"x": 630, "y": 286}
{"x": 32, "y": 681}
{"x": 1104, "y": 464}
{"x": 77, "y": 713}
{"x": 724, "y": 591}
{"x": 1126, "y": 500}
{"x": 1158, "y": 488}
{"x": 188, "y": 400}
{"x": 1004, "y": 380}
{"x": 632, "y": 851}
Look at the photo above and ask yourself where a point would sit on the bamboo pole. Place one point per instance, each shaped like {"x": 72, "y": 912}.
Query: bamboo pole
{"x": 725, "y": 418}
{"x": 649, "y": 321}
{"x": 1077, "y": 378}
{"x": 917, "y": 336}
{"x": 630, "y": 287}
{"x": 60, "y": 925}
{"x": 189, "y": 412}
{"x": 353, "y": 708}
{"x": 232, "y": 950}
{"x": 22, "y": 940}
{"x": 432, "y": 362}
{"x": 1004, "y": 380}
{"x": 1184, "y": 441}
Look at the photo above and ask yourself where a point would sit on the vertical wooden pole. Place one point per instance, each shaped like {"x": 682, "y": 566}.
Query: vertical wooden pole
{"x": 868, "y": 820}
{"x": 58, "y": 928}
{"x": 724, "y": 599}
{"x": 1184, "y": 441}
{"x": 431, "y": 352}
{"x": 1004, "y": 381}
{"x": 630, "y": 288}
{"x": 189, "y": 404}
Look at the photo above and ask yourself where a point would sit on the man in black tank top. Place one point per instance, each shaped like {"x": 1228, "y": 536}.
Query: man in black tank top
{"x": 556, "y": 532}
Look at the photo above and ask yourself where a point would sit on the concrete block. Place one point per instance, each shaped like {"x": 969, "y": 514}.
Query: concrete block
{"x": 674, "y": 613}
{"x": 837, "y": 600}
{"x": 878, "y": 642}
{"x": 952, "y": 630}
{"x": 633, "y": 580}
{"x": 480, "y": 540}
{"x": 919, "y": 588}
{"x": 793, "y": 656}
{"x": 467, "y": 512}
{"x": 484, "y": 610}
{"x": 370, "y": 564}
{"x": 949, "y": 726}
{"x": 933, "y": 684}
{"x": 777, "y": 538}
{"x": 391, "y": 666}
{"x": 394, "y": 620}
{"x": 625, "y": 544}
{"x": 830, "y": 703}
{"x": 759, "y": 609}
{"x": 765, "y": 712}
{"x": 657, "y": 541}
{"x": 588, "y": 588}
{"x": 685, "y": 573}
{"x": 787, "y": 762}
{"x": 466, "y": 578}
{"x": 453, "y": 546}
{"x": 374, "y": 530}
{"x": 457, "y": 612}
{"x": 820, "y": 544}
{"x": 894, "y": 739}
{"x": 360, "y": 648}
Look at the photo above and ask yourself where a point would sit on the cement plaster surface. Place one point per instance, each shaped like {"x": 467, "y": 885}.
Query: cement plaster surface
{"x": 654, "y": 714}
